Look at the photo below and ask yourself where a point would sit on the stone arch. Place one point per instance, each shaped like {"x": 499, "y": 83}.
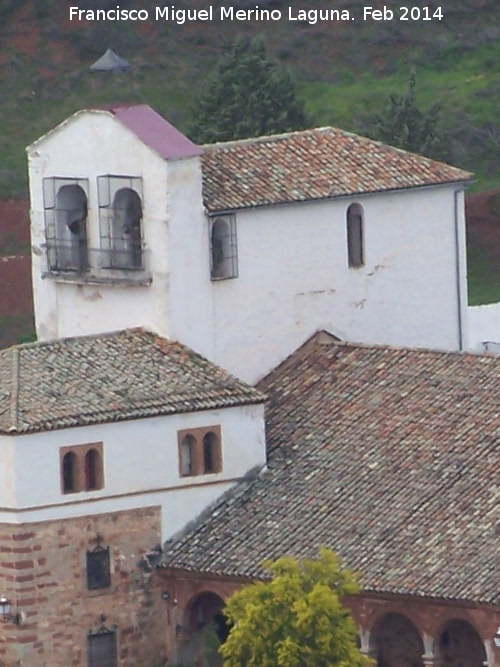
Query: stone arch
{"x": 71, "y": 228}
{"x": 204, "y": 628}
{"x": 126, "y": 238}
{"x": 397, "y": 642}
{"x": 458, "y": 644}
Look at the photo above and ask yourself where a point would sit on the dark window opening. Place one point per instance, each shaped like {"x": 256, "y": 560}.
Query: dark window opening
{"x": 120, "y": 222}
{"x": 126, "y": 243}
{"x": 355, "y": 249}
{"x": 93, "y": 470}
{"x": 224, "y": 251}
{"x": 98, "y": 569}
{"x": 102, "y": 650}
{"x": 70, "y": 472}
{"x": 209, "y": 452}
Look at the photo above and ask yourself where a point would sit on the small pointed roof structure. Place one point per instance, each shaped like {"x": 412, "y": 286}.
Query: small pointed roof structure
{"x": 110, "y": 62}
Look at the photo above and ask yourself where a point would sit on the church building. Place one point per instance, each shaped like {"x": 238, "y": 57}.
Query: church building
{"x": 245, "y": 350}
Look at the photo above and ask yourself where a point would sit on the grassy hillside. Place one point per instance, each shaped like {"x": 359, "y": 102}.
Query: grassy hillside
{"x": 345, "y": 70}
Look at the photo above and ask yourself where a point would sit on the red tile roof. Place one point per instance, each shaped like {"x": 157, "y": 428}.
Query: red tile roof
{"x": 155, "y": 131}
{"x": 313, "y": 164}
{"x": 389, "y": 456}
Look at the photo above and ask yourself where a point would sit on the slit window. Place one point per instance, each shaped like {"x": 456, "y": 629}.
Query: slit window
{"x": 355, "y": 250}
{"x": 187, "y": 448}
{"x": 93, "y": 470}
{"x": 209, "y": 452}
{"x": 223, "y": 248}
{"x": 70, "y": 472}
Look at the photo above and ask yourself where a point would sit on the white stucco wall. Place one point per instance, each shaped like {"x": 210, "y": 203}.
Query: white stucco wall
{"x": 141, "y": 467}
{"x": 7, "y": 467}
{"x": 93, "y": 144}
{"x": 294, "y": 278}
{"x": 484, "y": 328}
{"x": 293, "y": 273}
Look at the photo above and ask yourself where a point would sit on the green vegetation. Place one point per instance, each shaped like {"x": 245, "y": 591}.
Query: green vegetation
{"x": 344, "y": 73}
{"x": 483, "y": 277}
{"x": 403, "y": 124}
{"x": 16, "y": 329}
{"x": 294, "y": 619}
{"x": 247, "y": 95}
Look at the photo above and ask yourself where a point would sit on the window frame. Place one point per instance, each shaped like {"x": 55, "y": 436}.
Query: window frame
{"x": 103, "y": 632}
{"x": 54, "y": 241}
{"x": 108, "y": 187}
{"x": 80, "y": 477}
{"x": 198, "y": 458}
{"x": 99, "y": 552}
{"x": 355, "y": 224}
{"x": 229, "y": 264}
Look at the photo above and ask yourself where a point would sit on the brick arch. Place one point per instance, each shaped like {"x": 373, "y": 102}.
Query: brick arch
{"x": 203, "y": 628}
{"x": 459, "y": 644}
{"x": 396, "y": 641}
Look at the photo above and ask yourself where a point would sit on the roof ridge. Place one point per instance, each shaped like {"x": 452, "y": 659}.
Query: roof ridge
{"x": 14, "y": 393}
{"x": 269, "y": 137}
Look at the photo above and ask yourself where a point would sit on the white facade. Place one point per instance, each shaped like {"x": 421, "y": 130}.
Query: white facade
{"x": 293, "y": 274}
{"x": 294, "y": 278}
{"x": 93, "y": 144}
{"x": 140, "y": 464}
{"x": 484, "y": 328}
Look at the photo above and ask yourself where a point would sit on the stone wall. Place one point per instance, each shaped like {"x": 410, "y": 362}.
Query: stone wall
{"x": 43, "y": 573}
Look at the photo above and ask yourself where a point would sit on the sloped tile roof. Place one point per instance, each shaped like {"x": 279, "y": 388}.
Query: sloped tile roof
{"x": 109, "y": 377}
{"x": 389, "y": 456}
{"x": 155, "y": 131}
{"x": 313, "y": 164}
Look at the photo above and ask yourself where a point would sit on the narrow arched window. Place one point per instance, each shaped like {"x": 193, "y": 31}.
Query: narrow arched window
{"x": 70, "y": 250}
{"x": 186, "y": 454}
{"x": 224, "y": 252}
{"x": 355, "y": 250}
{"x": 93, "y": 470}
{"x": 210, "y": 453}
{"x": 126, "y": 237}
{"x": 70, "y": 473}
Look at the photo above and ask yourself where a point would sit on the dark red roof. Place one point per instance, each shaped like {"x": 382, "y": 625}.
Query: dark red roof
{"x": 155, "y": 131}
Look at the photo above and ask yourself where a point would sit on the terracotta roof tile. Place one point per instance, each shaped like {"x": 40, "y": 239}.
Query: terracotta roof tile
{"x": 313, "y": 164}
{"x": 389, "y": 456}
{"x": 109, "y": 377}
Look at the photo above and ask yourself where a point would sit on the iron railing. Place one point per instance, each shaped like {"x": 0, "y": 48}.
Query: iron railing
{"x": 121, "y": 260}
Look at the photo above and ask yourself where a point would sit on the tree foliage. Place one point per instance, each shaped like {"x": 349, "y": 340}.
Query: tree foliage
{"x": 296, "y": 619}
{"x": 405, "y": 125}
{"x": 248, "y": 95}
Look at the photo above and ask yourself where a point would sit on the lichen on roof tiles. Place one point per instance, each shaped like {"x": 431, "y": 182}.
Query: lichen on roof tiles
{"x": 388, "y": 456}
{"x": 109, "y": 377}
{"x": 311, "y": 164}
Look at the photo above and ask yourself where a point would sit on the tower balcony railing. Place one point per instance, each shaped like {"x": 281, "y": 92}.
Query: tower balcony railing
{"x": 120, "y": 263}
